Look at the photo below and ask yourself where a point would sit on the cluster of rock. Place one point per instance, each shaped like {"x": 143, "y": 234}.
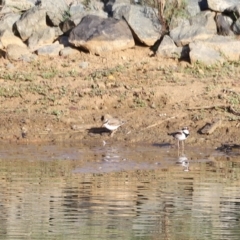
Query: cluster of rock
{"x": 206, "y": 32}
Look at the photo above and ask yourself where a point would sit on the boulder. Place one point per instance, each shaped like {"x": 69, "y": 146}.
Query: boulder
{"x": 64, "y": 41}
{"x": 31, "y": 22}
{"x": 78, "y": 11}
{"x": 98, "y": 35}
{"x": 111, "y": 5}
{"x": 236, "y": 27}
{"x": 142, "y": 20}
{"x": 42, "y": 37}
{"x": 68, "y": 51}
{"x": 199, "y": 27}
{"x": 8, "y": 38}
{"x": 8, "y": 20}
{"x": 201, "y": 53}
{"x": 50, "y": 50}
{"x": 168, "y": 49}
{"x": 19, "y": 6}
{"x": 222, "y": 5}
{"x": 227, "y": 46}
{"x": 224, "y": 24}
{"x": 216, "y": 49}
{"x": 19, "y": 53}
{"x": 57, "y": 10}
{"x": 194, "y": 7}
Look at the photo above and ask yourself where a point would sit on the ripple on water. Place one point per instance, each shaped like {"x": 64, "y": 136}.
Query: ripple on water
{"x": 118, "y": 192}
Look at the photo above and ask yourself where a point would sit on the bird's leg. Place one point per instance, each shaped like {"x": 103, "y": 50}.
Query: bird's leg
{"x": 183, "y": 147}
{"x": 113, "y": 132}
{"x": 178, "y": 147}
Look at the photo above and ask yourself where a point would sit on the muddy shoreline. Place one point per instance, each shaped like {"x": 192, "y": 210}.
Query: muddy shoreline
{"x": 55, "y": 100}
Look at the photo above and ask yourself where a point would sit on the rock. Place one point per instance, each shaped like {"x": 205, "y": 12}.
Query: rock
{"x": 58, "y": 31}
{"x": 236, "y": 27}
{"x": 84, "y": 64}
{"x": 113, "y": 4}
{"x": 57, "y": 10}
{"x": 7, "y": 38}
{"x": 167, "y": 48}
{"x": 209, "y": 128}
{"x": 78, "y": 11}
{"x": 64, "y": 41}
{"x": 98, "y": 35}
{"x": 199, "y": 52}
{"x": 216, "y": 49}
{"x": 223, "y": 23}
{"x": 142, "y": 20}
{"x": 76, "y": 7}
{"x": 229, "y": 47}
{"x": 194, "y": 7}
{"x": 42, "y": 37}
{"x": 67, "y": 51}
{"x": 32, "y": 21}
{"x": 19, "y": 53}
{"x": 199, "y": 27}
{"x": 221, "y": 5}
{"x": 50, "y": 50}
{"x": 8, "y": 20}
{"x": 18, "y": 6}
{"x": 234, "y": 11}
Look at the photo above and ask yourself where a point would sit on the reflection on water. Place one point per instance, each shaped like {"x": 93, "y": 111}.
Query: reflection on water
{"x": 117, "y": 192}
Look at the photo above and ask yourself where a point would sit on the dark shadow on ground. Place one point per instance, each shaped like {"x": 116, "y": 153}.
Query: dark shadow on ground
{"x": 162, "y": 145}
{"x": 233, "y": 149}
{"x": 98, "y": 130}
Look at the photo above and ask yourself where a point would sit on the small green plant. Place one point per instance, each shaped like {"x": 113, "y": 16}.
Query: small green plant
{"x": 57, "y": 113}
{"x": 139, "y": 102}
{"x": 66, "y": 15}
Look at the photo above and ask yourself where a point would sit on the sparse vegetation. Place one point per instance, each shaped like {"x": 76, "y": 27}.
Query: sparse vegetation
{"x": 167, "y": 11}
{"x": 136, "y": 87}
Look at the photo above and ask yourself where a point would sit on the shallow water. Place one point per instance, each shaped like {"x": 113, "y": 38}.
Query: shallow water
{"x": 118, "y": 192}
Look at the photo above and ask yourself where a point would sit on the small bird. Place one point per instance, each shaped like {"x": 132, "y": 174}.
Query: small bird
{"x": 112, "y": 124}
{"x": 181, "y": 135}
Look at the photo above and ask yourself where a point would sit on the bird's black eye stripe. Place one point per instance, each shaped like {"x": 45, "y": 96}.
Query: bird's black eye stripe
{"x": 186, "y": 134}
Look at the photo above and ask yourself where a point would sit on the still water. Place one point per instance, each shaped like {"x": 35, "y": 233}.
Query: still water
{"x": 118, "y": 192}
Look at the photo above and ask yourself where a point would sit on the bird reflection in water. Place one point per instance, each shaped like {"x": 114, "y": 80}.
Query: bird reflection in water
{"x": 183, "y": 161}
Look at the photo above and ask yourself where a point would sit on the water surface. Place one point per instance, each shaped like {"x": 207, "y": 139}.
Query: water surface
{"x": 118, "y": 192}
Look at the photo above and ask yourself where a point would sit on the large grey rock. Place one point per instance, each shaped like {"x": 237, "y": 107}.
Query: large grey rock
{"x": 142, "y": 20}
{"x": 17, "y": 5}
{"x": 42, "y": 37}
{"x": 113, "y": 4}
{"x": 120, "y": 10}
{"x": 168, "y": 49}
{"x": 216, "y": 49}
{"x": 199, "y": 27}
{"x": 68, "y": 51}
{"x": 229, "y": 47}
{"x": 7, "y": 37}
{"x": 222, "y": 5}
{"x": 78, "y": 11}
{"x": 57, "y": 10}
{"x": 194, "y": 7}
{"x": 201, "y": 53}
{"x": 50, "y": 50}
{"x": 234, "y": 10}
{"x": 236, "y": 27}
{"x": 224, "y": 24}
{"x": 98, "y": 35}
{"x": 31, "y": 21}
{"x": 8, "y": 20}
{"x": 19, "y": 53}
